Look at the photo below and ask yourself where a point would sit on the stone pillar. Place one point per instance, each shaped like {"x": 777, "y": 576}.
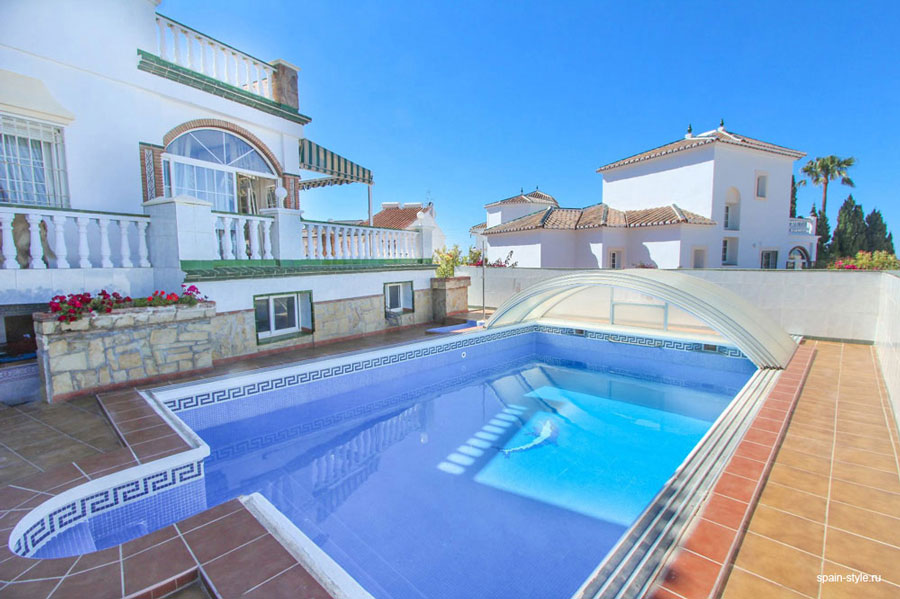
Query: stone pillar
{"x": 449, "y": 296}
{"x": 426, "y": 238}
{"x": 181, "y": 228}
{"x": 285, "y": 84}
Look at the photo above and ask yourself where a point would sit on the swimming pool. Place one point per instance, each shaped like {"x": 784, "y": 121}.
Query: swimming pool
{"x": 499, "y": 464}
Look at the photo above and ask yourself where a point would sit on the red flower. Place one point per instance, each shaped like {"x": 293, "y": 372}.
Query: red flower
{"x": 54, "y": 307}
{"x": 172, "y": 297}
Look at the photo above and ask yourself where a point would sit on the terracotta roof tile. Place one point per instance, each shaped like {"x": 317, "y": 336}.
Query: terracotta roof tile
{"x": 397, "y": 218}
{"x": 600, "y": 215}
{"x": 716, "y": 135}
{"x": 534, "y": 197}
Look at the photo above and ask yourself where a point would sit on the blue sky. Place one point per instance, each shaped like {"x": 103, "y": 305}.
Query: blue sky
{"x": 467, "y": 102}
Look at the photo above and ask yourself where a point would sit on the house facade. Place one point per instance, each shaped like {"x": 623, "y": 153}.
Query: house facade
{"x": 717, "y": 199}
{"x": 137, "y": 153}
{"x": 408, "y": 216}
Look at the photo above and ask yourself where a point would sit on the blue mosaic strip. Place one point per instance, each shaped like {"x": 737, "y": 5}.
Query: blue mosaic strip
{"x": 460, "y": 342}
{"x": 82, "y": 509}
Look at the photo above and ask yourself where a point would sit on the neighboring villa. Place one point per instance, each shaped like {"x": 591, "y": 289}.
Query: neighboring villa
{"x": 407, "y": 216}
{"x": 137, "y": 154}
{"x": 705, "y": 201}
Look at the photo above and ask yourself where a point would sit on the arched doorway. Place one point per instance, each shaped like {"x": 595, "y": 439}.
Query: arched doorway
{"x": 798, "y": 259}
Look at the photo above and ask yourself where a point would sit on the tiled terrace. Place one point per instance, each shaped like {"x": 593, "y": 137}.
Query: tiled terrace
{"x": 831, "y": 504}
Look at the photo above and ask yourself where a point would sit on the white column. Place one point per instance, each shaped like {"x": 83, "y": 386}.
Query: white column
{"x": 341, "y": 236}
{"x": 253, "y": 231}
{"x": 143, "y": 254}
{"x": 36, "y": 248}
{"x": 304, "y": 240}
{"x": 84, "y": 259}
{"x": 125, "y": 247}
{"x": 59, "y": 242}
{"x": 354, "y": 243}
{"x": 315, "y": 242}
{"x": 9, "y": 246}
{"x": 176, "y": 46}
{"x": 267, "y": 239}
{"x": 227, "y": 246}
{"x": 327, "y": 245}
{"x": 163, "y": 52}
{"x": 105, "y": 253}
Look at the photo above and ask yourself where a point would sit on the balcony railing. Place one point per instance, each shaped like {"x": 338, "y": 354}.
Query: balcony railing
{"x": 40, "y": 238}
{"x": 802, "y": 226}
{"x": 243, "y": 237}
{"x": 334, "y": 241}
{"x": 191, "y": 49}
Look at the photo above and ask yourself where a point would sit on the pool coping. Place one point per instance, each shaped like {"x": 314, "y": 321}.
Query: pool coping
{"x": 702, "y": 559}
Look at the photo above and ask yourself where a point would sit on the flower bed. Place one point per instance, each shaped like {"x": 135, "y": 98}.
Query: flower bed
{"x": 72, "y": 307}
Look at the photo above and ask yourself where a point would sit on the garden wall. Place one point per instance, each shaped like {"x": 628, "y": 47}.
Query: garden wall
{"x": 887, "y": 336}
{"x": 121, "y": 347}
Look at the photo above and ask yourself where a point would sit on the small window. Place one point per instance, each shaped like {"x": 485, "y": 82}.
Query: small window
{"x": 32, "y": 163}
{"x": 398, "y": 297}
{"x": 615, "y": 259}
{"x": 768, "y": 259}
{"x": 282, "y": 315}
{"x": 762, "y": 182}
{"x": 729, "y": 251}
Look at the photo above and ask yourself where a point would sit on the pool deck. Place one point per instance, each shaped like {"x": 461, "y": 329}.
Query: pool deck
{"x": 829, "y": 498}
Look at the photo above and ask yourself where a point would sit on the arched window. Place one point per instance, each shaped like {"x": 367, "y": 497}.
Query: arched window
{"x": 798, "y": 258}
{"x": 221, "y": 168}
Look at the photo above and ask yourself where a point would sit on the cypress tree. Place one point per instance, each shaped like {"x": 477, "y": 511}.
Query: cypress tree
{"x": 793, "y": 197}
{"x": 823, "y": 230}
{"x": 877, "y": 236}
{"x": 850, "y": 232}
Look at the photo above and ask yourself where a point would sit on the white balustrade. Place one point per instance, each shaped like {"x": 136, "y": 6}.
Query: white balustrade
{"x": 244, "y": 236}
{"x": 193, "y": 50}
{"x": 40, "y": 238}
{"x": 802, "y": 226}
{"x": 327, "y": 241}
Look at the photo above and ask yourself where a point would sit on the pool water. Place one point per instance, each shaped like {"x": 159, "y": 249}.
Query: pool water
{"x": 512, "y": 481}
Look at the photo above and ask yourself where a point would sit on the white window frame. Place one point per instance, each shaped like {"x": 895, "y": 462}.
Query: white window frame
{"x": 405, "y": 294}
{"x": 170, "y": 167}
{"x": 729, "y": 248}
{"x": 55, "y": 174}
{"x": 615, "y": 258}
{"x": 298, "y": 327}
{"x": 761, "y": 175}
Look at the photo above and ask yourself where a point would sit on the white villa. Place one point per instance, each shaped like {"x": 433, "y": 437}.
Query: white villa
{"x": 717, "y": 199}
{"x": 137, "y": 153}
{"x": 408, "y": 216}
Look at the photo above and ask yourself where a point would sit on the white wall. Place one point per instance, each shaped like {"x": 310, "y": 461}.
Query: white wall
{"x": 887, "y": 336}
{"x": 526, "y": 248}
{"x": 684, "y": 178}
{"x": 89, "y": 64}
{"x": 237, "y": 294}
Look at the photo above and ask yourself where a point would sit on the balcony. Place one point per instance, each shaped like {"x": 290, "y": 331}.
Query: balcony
{"x": 802, "y": 226}
{"x": 189, "y": 57}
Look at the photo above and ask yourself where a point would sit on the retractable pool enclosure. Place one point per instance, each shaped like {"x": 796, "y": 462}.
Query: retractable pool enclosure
{"x": 653, "y": 299}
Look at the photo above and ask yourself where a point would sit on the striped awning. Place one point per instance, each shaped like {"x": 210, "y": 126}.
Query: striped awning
{"x": 314, "y": 157}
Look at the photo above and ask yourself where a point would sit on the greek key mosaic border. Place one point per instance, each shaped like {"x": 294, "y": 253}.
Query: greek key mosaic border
{"x": 84, "y": 508}
{"x": 208, "y": 398}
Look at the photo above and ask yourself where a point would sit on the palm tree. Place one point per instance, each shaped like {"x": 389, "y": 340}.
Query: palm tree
{"x": 823, "y": 170}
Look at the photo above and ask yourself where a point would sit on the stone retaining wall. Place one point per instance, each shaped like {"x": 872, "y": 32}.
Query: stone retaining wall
{"x": 124, "y": 346}
{"x": 234, "y": 333}
{"x": 450, "y": 296}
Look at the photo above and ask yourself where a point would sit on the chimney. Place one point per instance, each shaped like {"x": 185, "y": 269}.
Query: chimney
{"x": 390, "y": 205}
{"x": 690, "y": 132}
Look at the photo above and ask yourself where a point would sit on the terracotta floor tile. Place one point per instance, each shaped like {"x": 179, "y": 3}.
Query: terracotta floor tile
{"x": 879, "y": 445}
{"x": 147, "y": 541}
{"x": 96, "y": 559}
{"x": 150, "y": 449}
{"x": 875, "y": 500}
{"x": 221, "y": 536}
{"x": 779, "y": 563}
{"x": 148, "y": 434}
{"x": 796, "y": 502}
{"x": 862, "y": 457}
{"x": 15, "y": 566}
{"x": 864, "y": 523}
{"x": 788, "y": 528}
{"x": 691, "y": 576}
{"x": 11, "y": 497}
{"x": 877, "y": 431}
{"x": 156, "y": 564}
{"x": 105, "y": 461}
{"x": 104, "y": 582}
{"x": 846, "y": 589}
{"x": 810, "y": 433}
{"x": 753, "y": 451}
{"x": 870, "y": 477}
{"x": 725, "y": 510}
{"x": 745, "y": 467}
{"x": 207, "y": 516}
{"x": 805, "y": 461}
{"x": 711, "y": 540}
{"x": 735, "y": 487}
{"x": 856, "y": 416}
{"x": 809, "y": 482}
{"x": 767, "y": 424}
{"x": 242, "y": 569}
{"x": 295, "y": 582}
{"x": 745, "y": 585}
{"x": 761, "y": 437}
{"x": 661, "y": 593}
{"x": 30, "y": 590}
{"x": 808, "y": 446}
{"x": 48, "y": 568}
{"x": 140, "y": 423}
{"x": 863, "y": 554}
